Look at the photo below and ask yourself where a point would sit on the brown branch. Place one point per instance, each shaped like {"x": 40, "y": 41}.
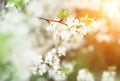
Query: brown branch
{"x": 49, "y": 20}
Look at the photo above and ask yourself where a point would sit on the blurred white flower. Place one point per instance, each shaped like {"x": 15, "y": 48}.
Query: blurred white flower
{"x": 90, "y": 48}
{"x": 70, "y": 21}
{"x": 35, "y": 7}
{"x": 33, "y": 69}
{"x": 56, "y": 62}
{"x": 49, "y": 57}
{"x": 82, "y": 24}
{"x": 103, "y": 38}
{"x": 57, "y": 75}
{"x": 76, "y": 22}
{"x": 42, "y": 69}
{"x": 52, "y": 59}
{"x": 65, "y": 35}
{"x": 52, "y": 26}
{"x": 68, "y": 65}
{"x": 108, "y": 76}
{"x": 37, "y": 59}
{"x": 84, "y": 75}
{"x": 61, "y": 51}
{"x": 60, "y": 76}
{"x": 56, "y": 36}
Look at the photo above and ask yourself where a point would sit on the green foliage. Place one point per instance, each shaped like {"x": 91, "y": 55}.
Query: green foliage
{"x": 38, "y": 77}
{"x": 86, "y": 19}
{"x": 4, "y": 38}
{"x": 63, "y": 14}
{"x": 65, "y": 69}
{"x": 18, "y": 3}
{"x": 6, "y": 67}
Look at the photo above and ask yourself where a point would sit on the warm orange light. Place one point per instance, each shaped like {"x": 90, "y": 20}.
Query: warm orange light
{"x": 111, "y": 9}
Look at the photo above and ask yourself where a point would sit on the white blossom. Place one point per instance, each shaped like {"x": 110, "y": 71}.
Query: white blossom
{"x": 108, "y": 76}
{"x": 33, "y": 8}
{"x": 52, "y": 59}
{"x": 82, "y": 24}
{"x": 37, "y": 59}
{"x": 49, "y": 57}
{"x": 33, "y": 69}
{"x": 57, "y": 75}
{"x": 69, "y": 21}
{"x": 61, "y": 51}
{"x": 56, "y": 36}
{"x": 103, "y": 38}
{"x": 68, "y": 65}
{"x": 42, "y": 69}
{"x": 56, "y": 62}
{"x": 52, "y": 26}
{"x": 65, "y": 35}
{"x": 84, "y": 75}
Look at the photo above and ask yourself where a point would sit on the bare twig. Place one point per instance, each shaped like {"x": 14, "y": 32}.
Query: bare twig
{"x": 49, "y": 20}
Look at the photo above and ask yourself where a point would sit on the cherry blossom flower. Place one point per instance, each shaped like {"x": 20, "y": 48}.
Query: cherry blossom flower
{"x": 84, "y": 75}
{"x": 108, "y": 76}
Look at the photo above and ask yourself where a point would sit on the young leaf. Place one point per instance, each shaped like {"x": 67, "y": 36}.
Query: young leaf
{"x": 86, "y": 19}
{"x": 112, "y": 68}
{"x": 65, "y": 69}
{"x": 63, "y": 14}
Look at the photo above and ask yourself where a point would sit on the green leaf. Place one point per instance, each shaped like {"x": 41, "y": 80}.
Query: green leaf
{"x": 112, "y": 68}
{"x": 63, "y": 14}
{"x": 87, "y": 70}
{"x": 18, "y": 3}
{"x": 86, "y": 19}
{"x": 65, "y": 69}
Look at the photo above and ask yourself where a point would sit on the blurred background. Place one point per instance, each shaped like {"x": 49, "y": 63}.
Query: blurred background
{"x": 21, "y": 37}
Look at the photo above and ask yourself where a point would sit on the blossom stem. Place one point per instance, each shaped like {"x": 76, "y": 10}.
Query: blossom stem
{"x": 48, "y": 20}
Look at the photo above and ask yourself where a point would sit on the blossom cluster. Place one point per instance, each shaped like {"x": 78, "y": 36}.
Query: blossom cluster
{"x": 86, "y": 75}
{"x": 72, "y": 29}
{"x": 50, "y": 63}
{"x": 64, "y": 31}
{"x": 108, "y": 76}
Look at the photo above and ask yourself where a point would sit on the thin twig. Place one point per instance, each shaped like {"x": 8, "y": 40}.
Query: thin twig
{"x": 48, "y": 20}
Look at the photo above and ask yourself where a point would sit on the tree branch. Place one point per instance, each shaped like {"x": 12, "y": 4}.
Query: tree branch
{"x": 49, "y": 20}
